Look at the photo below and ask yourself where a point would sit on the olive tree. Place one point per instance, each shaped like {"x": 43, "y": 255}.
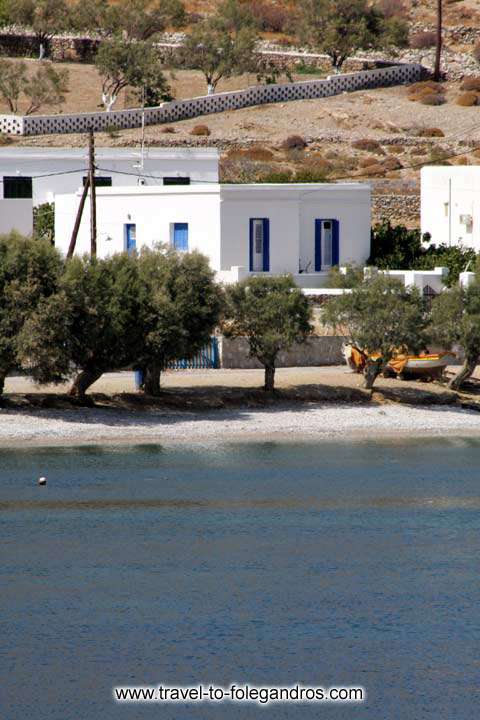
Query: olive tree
{"x": 222, "y": 45}
{"x": 382, "y": 318}
{"x": 179, "y": 309}
{"x": 29, "y": 273}
{"x": 46, "y": 18}
{"x": 30, "y": 87}
{"x": 90, "y": 326}
{"x": 272, "y": 313}
{"x": 456, "y": 320}
{"x": 341, "y": 27}
{"x": 129, "y": 64}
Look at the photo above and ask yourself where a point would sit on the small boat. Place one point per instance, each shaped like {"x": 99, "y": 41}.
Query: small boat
{"x": 424, "y": 365}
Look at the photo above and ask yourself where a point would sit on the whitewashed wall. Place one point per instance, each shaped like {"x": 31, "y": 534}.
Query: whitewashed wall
{"x": 449, "y": 196}
{"x": 16, "y": 215}
{"x": 218, "y": 218}
{"x": 45, "y": 165}
{"x": 207, "y": 104}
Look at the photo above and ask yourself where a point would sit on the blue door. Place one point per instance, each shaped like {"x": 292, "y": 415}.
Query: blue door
{"x": 130, "y": 238}
{"x": 327, "y": 244}
{"x": 180, "y": 236}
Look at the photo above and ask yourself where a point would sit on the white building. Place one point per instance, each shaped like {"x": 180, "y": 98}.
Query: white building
{"x": 301, "y": 229}
{"x": 40, "y": 173}
{"x": 450, "y": 205}
{"x": 16, "y": 215}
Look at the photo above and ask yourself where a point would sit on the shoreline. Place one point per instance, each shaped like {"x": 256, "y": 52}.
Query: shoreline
{"x": 315, "y": 422}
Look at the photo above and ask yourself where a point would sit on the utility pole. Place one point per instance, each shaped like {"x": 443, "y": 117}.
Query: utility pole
{"x": 78, "y": 219}
{"x": 438, "y": 49}
{"x": 93, "y": 194}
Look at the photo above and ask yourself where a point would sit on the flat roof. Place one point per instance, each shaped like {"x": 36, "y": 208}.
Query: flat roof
{"x": 43, "y": 153}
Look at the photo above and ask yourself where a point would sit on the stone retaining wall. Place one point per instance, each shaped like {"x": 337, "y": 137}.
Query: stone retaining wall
{"x": 325, "y": 350}
{"x": 207, "y": 104}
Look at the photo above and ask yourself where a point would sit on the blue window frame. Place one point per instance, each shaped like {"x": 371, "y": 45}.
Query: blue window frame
{"x": 327, "y": 243}
{"x": 130, "y": 238}
{"x": 259, "y": 245}
{"x": 180, "y": 236}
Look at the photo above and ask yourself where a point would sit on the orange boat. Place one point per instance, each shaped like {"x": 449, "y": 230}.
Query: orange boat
{"x": 423, "y": 365}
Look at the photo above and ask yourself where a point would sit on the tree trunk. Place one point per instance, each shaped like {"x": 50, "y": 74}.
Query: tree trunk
{"x": 151, "y": 379}
{"x": 269, "y": 378}
{"x": 438, "y": 50}
{"x": 468, "y": 368}
{"x": 82, "y": 382}
{"x": 371, "y": 371}
{"x": 3, "y": 375}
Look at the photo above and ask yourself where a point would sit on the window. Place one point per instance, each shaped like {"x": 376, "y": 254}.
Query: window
{"x": 327, "y": 244}
{"x": 259, "y": 245}
{"x": 15, "y": 188}
{"x": 180, "y": 236}
{"x": 130, "y": 238}
{"x": 176, "y": 181}
{"x": 100, "y": 181}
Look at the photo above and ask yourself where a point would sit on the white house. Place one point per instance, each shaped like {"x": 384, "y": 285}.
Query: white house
{"x": 16, "y": 214}
{"x": 450, "y": 205}
{"x": 301, "y": 229}
{"x": 41, "y": 173}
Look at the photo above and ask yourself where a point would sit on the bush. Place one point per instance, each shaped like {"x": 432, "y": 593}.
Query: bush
{"x": 423, "y": 40}
{"x": 168, "y": 129}
{"x": 367, "y": 162}
{"x": 468, "y": 99}
{"x": 393, "y": 9}
{"x": 430, "y": 132}
{"x": 433, "y": 99}
{"x": 258, "y": 154}
{"x": 294, "y": 142}
{"x": 200, "y": 130}
{"x": 367, "y": 145}
{"x": 270, "y": 18}
{"x": 276, "y": 177}
{"x": 392, "y": 163}
{"x": 425, "y": 85}
{"x": 471, "y": 83}
{"x": 310, "y": 176}
{"x": 476, "y": 51}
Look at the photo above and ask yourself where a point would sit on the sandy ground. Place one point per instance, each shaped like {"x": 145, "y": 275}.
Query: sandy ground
{"x": 312, "y": 421}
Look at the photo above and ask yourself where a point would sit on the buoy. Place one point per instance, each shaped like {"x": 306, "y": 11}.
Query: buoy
{"x": 42, "y": 481}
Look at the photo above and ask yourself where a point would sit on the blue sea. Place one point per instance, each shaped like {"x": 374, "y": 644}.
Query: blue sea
{"x": 264, "y": 563}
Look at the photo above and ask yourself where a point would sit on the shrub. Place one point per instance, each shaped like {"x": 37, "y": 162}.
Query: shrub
{"x": 270, "y": 18}
{"x": 422, "y": 40}
{"x": 5, "y": 139}
{"x": 367, "y": 145}
{"x": 476, "y": 51}
{"x": 258, "y": 154}
{"x": 471, "y": 83}
{"x": 433, "y": 99}
{"x": 200, "y": 130}
{"x": 310, "y": 176}
{"x": 377, "y": 170}
{"x": 467, "y": 99}
{"x": 168, "y": 129}
{"x": 392, "y": 163}
{"x": 425, "y": 84}
{"x": 393, "y": 9}
{"x": 294, "y": 142}
{"x": 429, "y": 132}
{"x": 367, "y": 162}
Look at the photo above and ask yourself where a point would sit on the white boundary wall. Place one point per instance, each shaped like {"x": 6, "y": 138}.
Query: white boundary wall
{"x": 207, "y": 104}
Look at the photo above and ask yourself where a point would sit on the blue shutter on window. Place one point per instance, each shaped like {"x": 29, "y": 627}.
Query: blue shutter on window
{"x": 318, "y": 245}
{"x": 180, "y": 236}
{"x": 266, "y": 245}
{"x": 250, "y": 245}
{"x": 335, "y": 242}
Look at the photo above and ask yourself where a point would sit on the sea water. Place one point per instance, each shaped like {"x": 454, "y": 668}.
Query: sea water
{"x": 264, "y": 563}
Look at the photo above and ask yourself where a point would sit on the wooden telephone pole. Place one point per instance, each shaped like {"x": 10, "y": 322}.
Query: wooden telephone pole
{"x": 89, "y": 185}
{"x": 438, "y": 49}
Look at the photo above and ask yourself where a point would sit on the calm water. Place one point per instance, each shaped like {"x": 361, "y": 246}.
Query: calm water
{"x": 264, "y": 563}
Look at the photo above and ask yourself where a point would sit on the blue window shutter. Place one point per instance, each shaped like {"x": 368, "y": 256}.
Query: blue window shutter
{"x": 250, "y": 244}
{"x": 318, "y": 245}
{"x": 266, "y": 245}
{"x": 180, "y": 236}
{"x": 335, "y": 242}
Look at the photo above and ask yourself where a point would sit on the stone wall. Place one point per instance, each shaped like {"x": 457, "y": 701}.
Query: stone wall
{"x": 396, "y": 207}
{"x": 325, "y": 350}
{"x": 207, "y": 104}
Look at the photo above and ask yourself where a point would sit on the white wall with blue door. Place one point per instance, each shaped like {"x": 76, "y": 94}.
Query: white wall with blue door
{"x": 298, "y": 229}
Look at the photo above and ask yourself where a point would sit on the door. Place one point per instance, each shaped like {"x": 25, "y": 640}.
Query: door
{"x": 130, "y": 238}
{"x": 180, "y": 236}
{"x": 259, "y": 245}
{"x": 326, "y": 244}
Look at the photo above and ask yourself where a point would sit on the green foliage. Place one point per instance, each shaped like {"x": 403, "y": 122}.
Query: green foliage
{"x": 134, "y": 64}
{"x": 33, "y": 87}
{"x": 272, "y": 313}
{"x": 340, "y": 27}
{"x": 44, "y": 222}
{"x": 353, "y": 277}
{"x": 455, "y": 319}
{"x": 133, "y": 19}
{"x": 29, "y": 272}
{"x": 4, "y": 18}
{"x": 379, "y": 316}
{"x": 45, "y": 17}
{"x": 395, "y": 247}
{"x": 222, "y": 45}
